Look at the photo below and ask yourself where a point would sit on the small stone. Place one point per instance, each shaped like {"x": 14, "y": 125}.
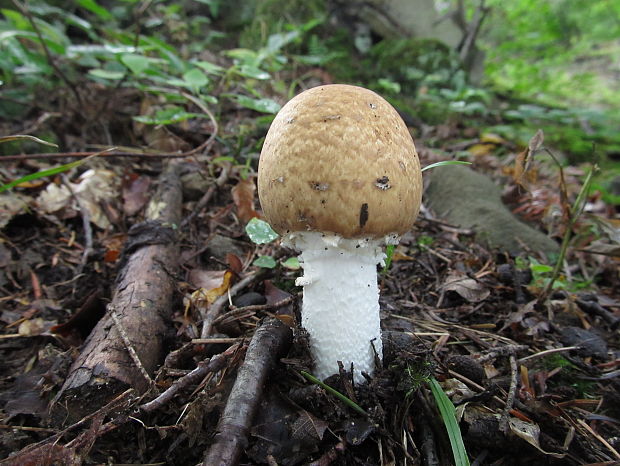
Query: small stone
{"x": 468, "y": 367}
{"x": 589, "y": 343}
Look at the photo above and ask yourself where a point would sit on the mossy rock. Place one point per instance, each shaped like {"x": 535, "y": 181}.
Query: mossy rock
{"x": 471, "y": 200}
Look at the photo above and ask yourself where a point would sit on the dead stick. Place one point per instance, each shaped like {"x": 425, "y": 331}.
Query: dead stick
{"x": 44, "y": 444}
{"x": 512, "y": 391}
{"x": 235, "y": 312}
{"x": 216, "y": 363}
{"x": 214, "y": 310}
{"x": 270, "y": 340}
{"x": 73, "y": 155}
{"x": 142, "y": 302}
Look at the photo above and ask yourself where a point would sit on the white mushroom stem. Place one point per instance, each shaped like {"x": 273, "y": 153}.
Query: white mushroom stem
{"x": 340, "y": 308}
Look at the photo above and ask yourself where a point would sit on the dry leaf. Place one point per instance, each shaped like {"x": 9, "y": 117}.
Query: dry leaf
{"x": 307, "y": 427}
{"x": 466, "y": 287}
{"x": 492, "y": 138}
{"x": 531, "y": 434}
{"x": 54, "y": 198}
{"x": 135, "y": 194}
{"x": 481, "y": 149}
{"x": 11, "y": 204}
{"x": 523, "y": 175}
{"x": 234, "y": 263}
{"x": 31, "y": 327}
{"x": 536, "y": 142}
{"x": 95, "y": 187}
{"x": 243, "y": 196}
{"x": 211, "y": 284}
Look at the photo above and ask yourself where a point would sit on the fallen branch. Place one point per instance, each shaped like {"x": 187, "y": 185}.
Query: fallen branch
{"x": 49, "y": 449}
{"x": 216, "y": 363}
{"x": 270, "y": 340}
{"x": 123, "y": 354}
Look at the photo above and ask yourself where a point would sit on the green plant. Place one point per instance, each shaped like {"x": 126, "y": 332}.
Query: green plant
{"x": 544, "y": 280}
{"x": 572, "y": 215}
{"x": 415, "y": 377}
{"x": 549, "y": 50}
{"x": 448, "y": 415}
{"x": 353, "y": 405}
{"x": 42, "y": 173}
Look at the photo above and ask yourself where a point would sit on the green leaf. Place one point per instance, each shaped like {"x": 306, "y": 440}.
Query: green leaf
{"x": 136, "y": 63}
{"x": 94, "y": 7}
{"x": 209, "y": 67}
{"x": 245, "y": 56}
{"x": 275, "y": 42}
{"x": 259, "y": 105}
{"x": 292, "y": 263}
{"x": 389, "y": 253}
{"x": 106, "y": 74}
{"x": 260, "y": 232}
{"x": 448, "y": 415}
{"x": 266, "y": 262}
{"x": 195, "y": 78}
{"x": 541, "y": 268}
{"x": 214, "y": 6}
{"x": 249, "y": 71}
{"x": 15, "y": 18}
{"x": 168, "y": 116}
{"x": 389, "y": 85}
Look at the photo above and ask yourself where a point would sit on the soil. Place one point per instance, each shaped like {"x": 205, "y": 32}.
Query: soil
{"x": 150, "y": 337}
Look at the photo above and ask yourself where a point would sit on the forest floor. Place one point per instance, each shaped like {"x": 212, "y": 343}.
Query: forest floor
{"x": 149, "y": 256}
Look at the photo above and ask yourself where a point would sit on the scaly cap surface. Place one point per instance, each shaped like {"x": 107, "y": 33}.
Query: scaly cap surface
{"x": 339, "y": 159}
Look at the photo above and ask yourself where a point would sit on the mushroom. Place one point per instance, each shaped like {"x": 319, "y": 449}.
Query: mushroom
{"x": 338, "y": 178}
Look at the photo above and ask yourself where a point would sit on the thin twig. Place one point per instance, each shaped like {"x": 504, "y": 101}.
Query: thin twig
{"x": 216, "y": 363}
{"x": 236, "y": 312}
{"x": 599, "y": 438}
{"x": 215, "y": 340}
{"x": 79, "y": 155}
{"x": 573, "y": 214}
{"x": 501, "y": 351}
{"x": 512, "y": 391}
{"x": 270, "y": 341}
{"x": 546, "y": 353}
{"x": 104, "y": 409}
{"x": 473, "y": 384}
{"x": 200, "y": 104}
{"x": 214, "y": 310}
{"x": 130, "y": 348}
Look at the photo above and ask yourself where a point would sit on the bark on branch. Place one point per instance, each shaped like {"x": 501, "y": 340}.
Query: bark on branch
{"x": 270, "y": 341}
{"x": 125, "y": 347}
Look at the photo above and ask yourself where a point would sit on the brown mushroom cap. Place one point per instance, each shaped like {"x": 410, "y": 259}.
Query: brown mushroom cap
{"x": 339, "y": 159}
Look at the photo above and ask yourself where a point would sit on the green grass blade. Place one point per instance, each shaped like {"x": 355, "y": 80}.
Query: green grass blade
{"x": 352, "y": 404}
{"x": 48, "y": 172}
{"x": 19, "y": 137}
{"x": 448, "y": 414}
{"x": 444, "y": 163}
